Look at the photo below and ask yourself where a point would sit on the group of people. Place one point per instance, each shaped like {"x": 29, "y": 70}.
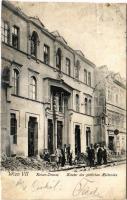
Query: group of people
{"x": 63, "y": 155}
{"x": 96, "y": 155}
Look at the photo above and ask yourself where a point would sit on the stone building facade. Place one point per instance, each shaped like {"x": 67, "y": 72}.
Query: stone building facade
{"x": 47, "y": 88}
{"x": 110, "y": 109}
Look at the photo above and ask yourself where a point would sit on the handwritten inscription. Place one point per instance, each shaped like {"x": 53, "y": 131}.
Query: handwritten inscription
{"x": 85, "y": 187}
{"x": 37, "y": 185}
{"x": 50, "y": 185}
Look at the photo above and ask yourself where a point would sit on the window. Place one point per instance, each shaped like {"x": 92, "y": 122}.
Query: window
{"x": 5, "y": 32}
{"x": 89, "y": 78}
{"x": 58, "y": 101}
{"x": 34, "y": 43}
{"x": 77, "y": 102}
{"x": 13, "y": 127}
{"x": 15, "y": 80}
{"x": 86, "y": 106}
{"x": 76, "y": 73}
{"x": 15, "y": 37}
{"x": 68, "y": 66}
{"x": 58, "y": 59}
{"x": 77, "y": 69}
{"x": 85, "y": 76}
{"x": 61, "y": 102}
{"x": 46, "y": 54}
{"x": 33, "y": 88}
{"x": 89, "y": 106}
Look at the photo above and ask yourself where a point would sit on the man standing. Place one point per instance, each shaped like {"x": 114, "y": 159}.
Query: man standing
{"x": 58, "y": 156}
{"x": 99, "y": 155}
{"x": 62, "y": 158}
{"x": 92, "y": 155}
{"x": 104, "y": 154}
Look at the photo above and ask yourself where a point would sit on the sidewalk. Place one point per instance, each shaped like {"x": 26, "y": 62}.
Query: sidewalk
{"x": 85, "y": 167}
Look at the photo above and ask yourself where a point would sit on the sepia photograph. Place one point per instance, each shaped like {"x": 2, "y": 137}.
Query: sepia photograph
{"x": 63, "y": 100}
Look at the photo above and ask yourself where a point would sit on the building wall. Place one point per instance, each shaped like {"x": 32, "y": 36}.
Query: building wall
{"x": 46, "y": 75}
{"x": 111, "y": 105}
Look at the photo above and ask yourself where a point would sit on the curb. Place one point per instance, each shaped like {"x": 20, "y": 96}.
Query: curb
{"x": 115, "y": 162}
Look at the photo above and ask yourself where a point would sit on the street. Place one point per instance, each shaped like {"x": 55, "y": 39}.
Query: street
{"x": 109, "y": 182}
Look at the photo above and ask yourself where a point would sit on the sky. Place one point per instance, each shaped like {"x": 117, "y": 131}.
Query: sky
{"x": 98, "y": 30}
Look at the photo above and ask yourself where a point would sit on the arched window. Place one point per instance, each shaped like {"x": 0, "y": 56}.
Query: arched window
{"x": 15, "y": 80}
{"x": 34, "y": 44}
{"x": 58, "y": 59}
{"x": 85, "y": 76}
{"x": 33, "y": 88}
{"x": 68, "y": 63}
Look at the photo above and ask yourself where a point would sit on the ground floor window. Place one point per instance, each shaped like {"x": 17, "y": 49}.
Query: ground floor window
{"x": 111, "y": 143}
{"x": 13, "y": 127}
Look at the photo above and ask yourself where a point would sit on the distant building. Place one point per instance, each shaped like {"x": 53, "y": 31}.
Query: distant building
{"x": 110, "y": 109}
{"x": 47, "y": 88}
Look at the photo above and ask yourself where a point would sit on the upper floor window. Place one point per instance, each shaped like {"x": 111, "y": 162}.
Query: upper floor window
{"x": 13, "y": 127}
{"x": 34, "y": 43}
{"x": 15, "y": 80}
{"x": 68, "y": 63}
{"x": 15, "y": 37}
{"x": 86, "y": 106}
{"x": 89, "y": 78}
{"x": 46, "y": 54}
{"x": 33, "y": 88}
{"x": 77, "y": 102}
{"x": 5, "y": 32}
{"x": 89, "y": 103}
{"x": 85, "y": 76}
{"x": 58, "y": 59}
{"x": 60, "y": 102}
{"x": 77, "y": 69}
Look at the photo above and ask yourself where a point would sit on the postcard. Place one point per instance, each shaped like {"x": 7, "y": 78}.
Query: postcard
{"x": 63, "y": 101}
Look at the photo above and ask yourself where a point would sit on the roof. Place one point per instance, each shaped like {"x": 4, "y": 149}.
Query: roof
{"x": 53, "y": 35}
{"x": 80, "y": 52}
{"x": 59, "y": 37}
{"x": 37, "y": 21}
